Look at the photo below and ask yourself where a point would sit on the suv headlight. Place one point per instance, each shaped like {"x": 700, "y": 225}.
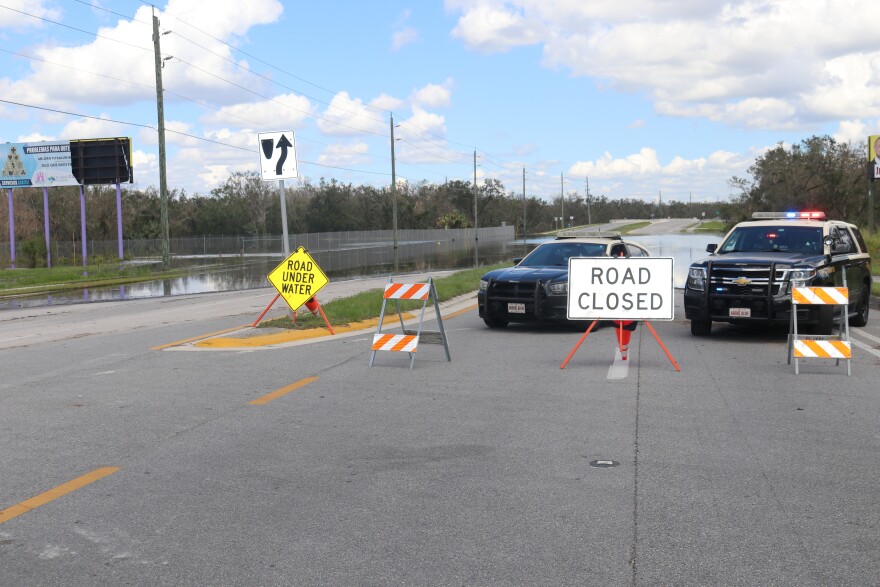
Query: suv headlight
{"x": 560, "y": 288}
{"x": 484, "y": 285}
{"x": 697, "y": 278}
{"x": 800, "y": 277}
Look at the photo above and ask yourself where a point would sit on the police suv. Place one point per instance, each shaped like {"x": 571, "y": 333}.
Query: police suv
{"x": 749, "y": 276}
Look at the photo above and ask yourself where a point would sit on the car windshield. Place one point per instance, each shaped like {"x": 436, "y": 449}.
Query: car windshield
{"x": 774, "y": 239}
{"x": 558, "y": 254}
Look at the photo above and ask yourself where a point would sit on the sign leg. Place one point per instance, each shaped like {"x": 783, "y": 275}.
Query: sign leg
{"x": 577, "y": 346}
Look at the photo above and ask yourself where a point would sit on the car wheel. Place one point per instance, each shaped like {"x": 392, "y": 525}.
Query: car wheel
{"x": 701, "y": 327}
{"x": 864, "y": 307}
{"x": 493, "y": 322}
{"x": 825, "y": 321}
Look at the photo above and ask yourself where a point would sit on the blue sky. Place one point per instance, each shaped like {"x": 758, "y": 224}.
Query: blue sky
{"x": 644, "y": 98}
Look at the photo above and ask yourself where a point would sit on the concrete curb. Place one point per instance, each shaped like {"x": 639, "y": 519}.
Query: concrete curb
{"x": 249, "y": 338}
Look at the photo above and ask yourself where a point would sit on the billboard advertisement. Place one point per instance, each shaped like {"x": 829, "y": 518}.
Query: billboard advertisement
{"x": 43, "y": 164}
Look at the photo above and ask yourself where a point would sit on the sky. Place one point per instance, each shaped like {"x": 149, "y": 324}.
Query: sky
{"x": 648, "y": 99}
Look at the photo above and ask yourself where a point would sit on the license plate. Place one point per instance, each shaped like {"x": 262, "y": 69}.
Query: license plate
{"x": 740, "y": 312}
{"x": 516, "y": 308}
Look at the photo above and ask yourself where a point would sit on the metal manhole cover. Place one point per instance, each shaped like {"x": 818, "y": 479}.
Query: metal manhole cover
{"x": 603, "y": 464}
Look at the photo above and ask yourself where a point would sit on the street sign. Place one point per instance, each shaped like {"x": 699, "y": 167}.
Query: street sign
{"x": 617, "y": 288}
{"x": 277, "y": 155}
{"x": 298, "y": 278}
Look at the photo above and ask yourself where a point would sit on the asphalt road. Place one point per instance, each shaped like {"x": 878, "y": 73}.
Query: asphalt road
{"x": 733, "y": 471}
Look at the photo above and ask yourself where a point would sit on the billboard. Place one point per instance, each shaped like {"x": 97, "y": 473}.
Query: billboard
{"x": 42, "y": 164}
{"x": 874, "y": 157}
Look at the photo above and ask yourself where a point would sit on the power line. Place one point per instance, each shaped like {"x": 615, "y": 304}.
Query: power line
{"x": 96, "y": 35}
{"x": 128, "y": 123}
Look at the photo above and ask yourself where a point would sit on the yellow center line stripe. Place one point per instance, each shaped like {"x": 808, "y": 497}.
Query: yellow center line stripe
{"x": 209, "y": 335}
{"x": 281, "y": 392}
{"x": 460, "y": 312}
{"x": 54, "y": 493}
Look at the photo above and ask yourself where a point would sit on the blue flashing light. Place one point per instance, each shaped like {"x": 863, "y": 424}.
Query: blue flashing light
{"x": 791, "y": 214}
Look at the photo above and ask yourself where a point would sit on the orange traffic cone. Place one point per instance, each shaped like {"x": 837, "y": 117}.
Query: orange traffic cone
{"x": 312, "y": 305}
{"x": 624, "y": 332}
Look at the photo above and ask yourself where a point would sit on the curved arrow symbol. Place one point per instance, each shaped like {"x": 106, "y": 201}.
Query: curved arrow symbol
{"x": 283, "y": 144}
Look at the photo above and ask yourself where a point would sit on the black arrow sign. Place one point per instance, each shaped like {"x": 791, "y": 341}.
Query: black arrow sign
{"x": 283, "y": 144}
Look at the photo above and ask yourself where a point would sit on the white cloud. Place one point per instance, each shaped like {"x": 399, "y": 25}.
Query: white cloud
{"x": 348, "y": 116}
{"x": 403, "y": 37}
{"x": 422, "y": 139}
{"x": 63, "y": 76}
{"x": 780, "y": 64}
{"x": 288, "y": 111}
{"x": 345, "y": 155}
{"x": 91, "y": 128}
{"x": 433, "y": 95}
{"x": 16, "y": 15}
{"x": 386, "y": 102}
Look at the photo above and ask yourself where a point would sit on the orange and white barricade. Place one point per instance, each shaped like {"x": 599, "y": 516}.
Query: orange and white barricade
{"x": 828, "y": 346}
{"x": 408, "y": 340}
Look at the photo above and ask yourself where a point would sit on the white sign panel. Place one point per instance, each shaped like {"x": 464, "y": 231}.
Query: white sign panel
{"x": 43, "y": 164}
{"x": 618, "y": 288}
{"x": 277, "y": 155}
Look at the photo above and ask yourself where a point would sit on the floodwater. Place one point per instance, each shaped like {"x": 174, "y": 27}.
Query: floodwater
{"x": 215, "y": 273}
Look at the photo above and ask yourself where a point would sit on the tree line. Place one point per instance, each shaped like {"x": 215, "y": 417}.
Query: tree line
{"x": 817, "y": 173}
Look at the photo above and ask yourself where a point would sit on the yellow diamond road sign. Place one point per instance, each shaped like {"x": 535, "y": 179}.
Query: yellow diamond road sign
{"x": 298, "y": 278}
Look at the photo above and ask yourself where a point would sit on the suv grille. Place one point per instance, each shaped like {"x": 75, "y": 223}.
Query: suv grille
{"x": 753, "y": 280}
{"x": 513, "y": 292}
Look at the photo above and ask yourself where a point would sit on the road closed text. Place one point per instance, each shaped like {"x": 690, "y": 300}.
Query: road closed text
{"x": 603, "y": 288}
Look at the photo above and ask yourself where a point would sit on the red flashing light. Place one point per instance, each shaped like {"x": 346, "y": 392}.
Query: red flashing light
{"x": 812, "y": 215}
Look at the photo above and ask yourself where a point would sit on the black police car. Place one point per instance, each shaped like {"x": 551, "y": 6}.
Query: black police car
{"x": 749, "y": 276}
{"x": 536, "y": 289}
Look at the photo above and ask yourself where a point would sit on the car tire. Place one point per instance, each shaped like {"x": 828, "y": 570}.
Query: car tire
{"x": 493, "y": 322}
{"x": 863, "y": 309}
{"x": 701, "y": 327}
{"x": 825, "y": 320}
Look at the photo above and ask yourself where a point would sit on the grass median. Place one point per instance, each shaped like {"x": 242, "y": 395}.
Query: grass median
{"x": 368, "y": 304}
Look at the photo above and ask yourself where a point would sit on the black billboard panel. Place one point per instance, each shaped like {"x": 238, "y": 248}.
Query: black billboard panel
{"x": 102, "y": 161}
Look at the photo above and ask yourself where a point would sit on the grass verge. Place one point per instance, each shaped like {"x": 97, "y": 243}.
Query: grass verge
{"x": 16, "y": 282}
{"x": 368, "y": 304}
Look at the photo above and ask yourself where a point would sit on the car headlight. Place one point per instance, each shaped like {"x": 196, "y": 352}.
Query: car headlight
{"x": 560, "y": 288}
{"x": 484, "y": 285}
{"x": 800, "y": 277}
{"x": 697, "y": 278}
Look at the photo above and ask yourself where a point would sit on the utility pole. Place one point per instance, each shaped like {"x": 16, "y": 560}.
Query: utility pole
{"x": 524, "y": 206}
{"x": 659, "y": 203}
{"x": 393, "y": 194}
{"x": 160, "y": 111}
{"x": 476, "y": 224}
{"x": 589, "y": 212}
{"x": 562, "y": 197}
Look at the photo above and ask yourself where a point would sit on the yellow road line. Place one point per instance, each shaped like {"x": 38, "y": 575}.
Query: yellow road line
{"x": 281, "y": 392}
{"x": 460, "y": 312}
{"x": 54, "y": 493}
{"x": 180, "y": 342}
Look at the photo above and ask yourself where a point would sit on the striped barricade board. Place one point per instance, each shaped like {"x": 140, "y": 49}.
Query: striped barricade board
{"x": 407, "y": 341}
{"x": 820, "y": 295}
{"x": 824, "y": 349}
{"x": 820, "y": 346}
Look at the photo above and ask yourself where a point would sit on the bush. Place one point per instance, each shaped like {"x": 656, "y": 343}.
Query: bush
{"x": 33, "y": 253}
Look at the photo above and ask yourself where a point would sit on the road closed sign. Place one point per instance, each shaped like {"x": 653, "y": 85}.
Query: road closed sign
{"x": 298, "y": 278}
{"x": 617, "y": 288}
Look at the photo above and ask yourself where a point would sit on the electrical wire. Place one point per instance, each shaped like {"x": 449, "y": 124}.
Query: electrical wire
{"x": 168, "y": 130}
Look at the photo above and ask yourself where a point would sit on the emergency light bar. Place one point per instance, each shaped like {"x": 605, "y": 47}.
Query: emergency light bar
{"x": 589, "y": 234}
{"x": 788, "y": 215}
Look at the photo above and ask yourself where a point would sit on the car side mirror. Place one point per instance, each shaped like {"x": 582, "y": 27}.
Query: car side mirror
{"x": 828, "y": 241}
{"x": 516, "y": 260}
{"x": 710, "y": 248}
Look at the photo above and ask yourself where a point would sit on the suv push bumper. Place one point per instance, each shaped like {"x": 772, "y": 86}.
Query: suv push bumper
{"x": 699, "y": 306}
{"x": 496, "y": 302}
